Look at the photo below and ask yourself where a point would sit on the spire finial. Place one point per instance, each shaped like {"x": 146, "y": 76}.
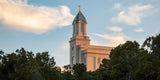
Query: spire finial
{"x": 79, "y": 7}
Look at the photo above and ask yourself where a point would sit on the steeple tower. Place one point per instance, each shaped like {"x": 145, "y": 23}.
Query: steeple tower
{"x": 80, "y": 49}
{"x": 79, "y": 24}
{"x": 78, "y": 39}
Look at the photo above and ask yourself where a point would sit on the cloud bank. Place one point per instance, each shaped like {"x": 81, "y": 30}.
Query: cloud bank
{"x": 117, "y": 6}
{"x": 139, "y": 30}
{"x": 133, "y": 15}
{"x": 65, "y": 46}
{"x": 115, "y": 29}
{"x": 17, "y": 14}
{"x": 112, "y": 39}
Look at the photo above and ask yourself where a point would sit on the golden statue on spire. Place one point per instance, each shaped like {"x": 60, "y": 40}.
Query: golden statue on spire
{"x": 79, "y": 7}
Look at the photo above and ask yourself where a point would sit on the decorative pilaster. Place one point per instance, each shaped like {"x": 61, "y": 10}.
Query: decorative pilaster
{"x": 85, "y": 29}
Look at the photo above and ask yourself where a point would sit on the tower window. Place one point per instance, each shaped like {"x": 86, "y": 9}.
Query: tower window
{"x": 82, "y": 28}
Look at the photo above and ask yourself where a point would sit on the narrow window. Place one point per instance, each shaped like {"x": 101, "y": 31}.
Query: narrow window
{"x": 73, "y": 60}
{"x": 94, "y": 63}
{"x": 84, "y": 60}
{"x": 76, "y": 28}
{"x": 82, "y": 28}
{"x": 72, "y": 48}
{"x": 99, "y": 59}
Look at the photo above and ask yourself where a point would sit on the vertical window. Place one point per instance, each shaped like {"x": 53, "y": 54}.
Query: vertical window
{"x": 99, "y": 59}
{"x": 73, "y": 60}
{"x": 94, "y": 63}
{"x": 84, "y": 60}
{"x": 72, "y": 48}
{"x": 74, "y": 29}
{"x": 82, "y": 28}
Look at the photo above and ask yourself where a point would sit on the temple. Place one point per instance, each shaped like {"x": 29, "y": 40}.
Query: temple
{"x": 80, "y": 49}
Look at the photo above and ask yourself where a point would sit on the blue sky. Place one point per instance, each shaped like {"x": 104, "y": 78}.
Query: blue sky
{"x": 45, "y": 25}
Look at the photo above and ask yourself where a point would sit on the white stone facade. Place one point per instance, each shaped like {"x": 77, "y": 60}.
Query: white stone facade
{"x": 80, "y": 49}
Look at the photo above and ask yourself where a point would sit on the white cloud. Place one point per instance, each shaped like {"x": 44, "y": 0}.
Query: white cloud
{"x": 93, "y": 42}
{"x": 17, "y": 14}
{"x": 112, "y": 39}
{"x": 139, "y": 30}
{"x": 117, "y": 6}
{"x": 115, "y": 29}
{"x": 133, "y": 15}
{"x": 66, "y": 46}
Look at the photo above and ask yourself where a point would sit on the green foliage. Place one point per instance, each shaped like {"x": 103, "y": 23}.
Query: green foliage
{"x": 127, "y": 62}
{"x": 23, "y": 65}
{"x": 122, "y": 59}
{"x": 130, "y": 62}
{"x": 79, "y": 71}
{"x": 66, "y": 74}
{"x": 153, "y": 44}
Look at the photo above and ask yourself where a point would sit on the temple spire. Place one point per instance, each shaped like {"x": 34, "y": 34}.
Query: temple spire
{"x": 79, "y": 16}
{"x": 79, "y": 7}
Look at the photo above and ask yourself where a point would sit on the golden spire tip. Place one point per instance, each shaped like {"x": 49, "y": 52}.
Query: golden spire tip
{"x": 79, "y": 7}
